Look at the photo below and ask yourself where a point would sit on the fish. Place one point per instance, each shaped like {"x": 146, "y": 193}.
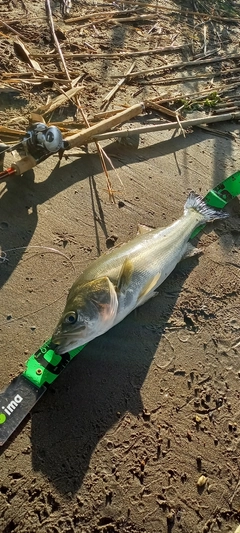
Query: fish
{"x": 121, "y": 280}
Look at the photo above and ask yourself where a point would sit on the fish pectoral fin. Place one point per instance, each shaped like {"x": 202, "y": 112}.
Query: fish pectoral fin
{"x": 141, "y": 229}
{"x": 147, "y": 291}
{"x": 191, "y": 251}
{"x": 125, "y": 275}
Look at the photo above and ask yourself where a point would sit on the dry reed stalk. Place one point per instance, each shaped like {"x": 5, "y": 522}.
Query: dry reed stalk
{"x": 152, "y": 105}
{"x": 51, "y": 23}
{"x": 169, "y": 126}
{"x": 181, "y": 64}
{"x": 116, "y": 55}
{"x": 79, "y": 106}
{"x": 14, "y": 31}
{"x": 59, "y": 100}
{"x": 88, "y": 16}
{"x": 107, "y": 99}
{"x": 183, "y": 11}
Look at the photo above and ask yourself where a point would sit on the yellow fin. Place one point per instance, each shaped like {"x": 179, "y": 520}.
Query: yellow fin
{"x": 125, "y": 274}
{"x": 145, "y": 293}
{"x": 141, "y": 229}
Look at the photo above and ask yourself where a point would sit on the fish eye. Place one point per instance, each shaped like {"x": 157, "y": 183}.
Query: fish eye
{"x": 71, "y": 317}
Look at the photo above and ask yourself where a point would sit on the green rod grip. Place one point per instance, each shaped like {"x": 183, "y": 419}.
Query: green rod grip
{"x": 44, "y": 366}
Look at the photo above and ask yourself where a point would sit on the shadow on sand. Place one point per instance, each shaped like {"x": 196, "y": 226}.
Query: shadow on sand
{"x": 95, "y": 391}
{"x": 105, "y": 380}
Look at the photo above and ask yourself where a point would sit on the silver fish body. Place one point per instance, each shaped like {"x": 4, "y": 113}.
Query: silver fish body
{"x": 118, "y": 282}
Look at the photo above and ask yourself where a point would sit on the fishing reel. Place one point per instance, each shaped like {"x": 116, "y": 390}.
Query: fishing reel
{"x": 41, "y": 141}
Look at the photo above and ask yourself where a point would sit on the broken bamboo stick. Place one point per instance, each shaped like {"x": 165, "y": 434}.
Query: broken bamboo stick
{"x": 85, "y": 136}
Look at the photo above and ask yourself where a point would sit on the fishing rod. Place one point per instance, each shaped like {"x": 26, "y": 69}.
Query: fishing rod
{"x": 44, "y": 366}
{"x": 41, "y": 141}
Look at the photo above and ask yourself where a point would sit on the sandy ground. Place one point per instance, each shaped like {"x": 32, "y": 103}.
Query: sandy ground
{"x": 120, "y": 440}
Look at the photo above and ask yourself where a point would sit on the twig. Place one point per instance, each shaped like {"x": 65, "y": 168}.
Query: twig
{"x": 180, "y": 125}
{"x": 177, "y": 97}
{"x": 152, "y": 105}
{"x": 205, "y": 39}
{"x": 226, "y": 109}
{"x": 14, "y": 31}
{"x": 229, "y": 103}
{"x": 88, "y": 16}
{"x": 181, "y": 64}
{"x": 133, "y": 18}
{"x": 51, "y": 23}
{"x": 106, "y": 114}
{"x": 182, "y": 11}
{"x": 37, "y": 80}
{"x": 116, "y": 55}
{"x": 109, "y": 17}
{"x": 107, "y": 99}
{"x": 168, "y": 126}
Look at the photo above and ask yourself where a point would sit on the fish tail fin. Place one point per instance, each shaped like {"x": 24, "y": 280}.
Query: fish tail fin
{"x": 196, "y": 202}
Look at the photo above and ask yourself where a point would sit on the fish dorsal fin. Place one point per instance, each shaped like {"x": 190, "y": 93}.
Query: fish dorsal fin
{"x": 125, "y": 274}
{"x": 145, "y": 294}
{"x": 141, "y": 229}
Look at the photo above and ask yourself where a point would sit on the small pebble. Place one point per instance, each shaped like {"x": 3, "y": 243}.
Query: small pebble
{"x": 201, "y": 481}
{"x": 198, "y": 419}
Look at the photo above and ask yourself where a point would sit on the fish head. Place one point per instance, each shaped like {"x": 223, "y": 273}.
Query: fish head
{"x": 90, "y": 310}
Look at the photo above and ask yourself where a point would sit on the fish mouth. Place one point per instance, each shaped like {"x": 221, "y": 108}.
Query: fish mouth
{"x": 65, "y": 343}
